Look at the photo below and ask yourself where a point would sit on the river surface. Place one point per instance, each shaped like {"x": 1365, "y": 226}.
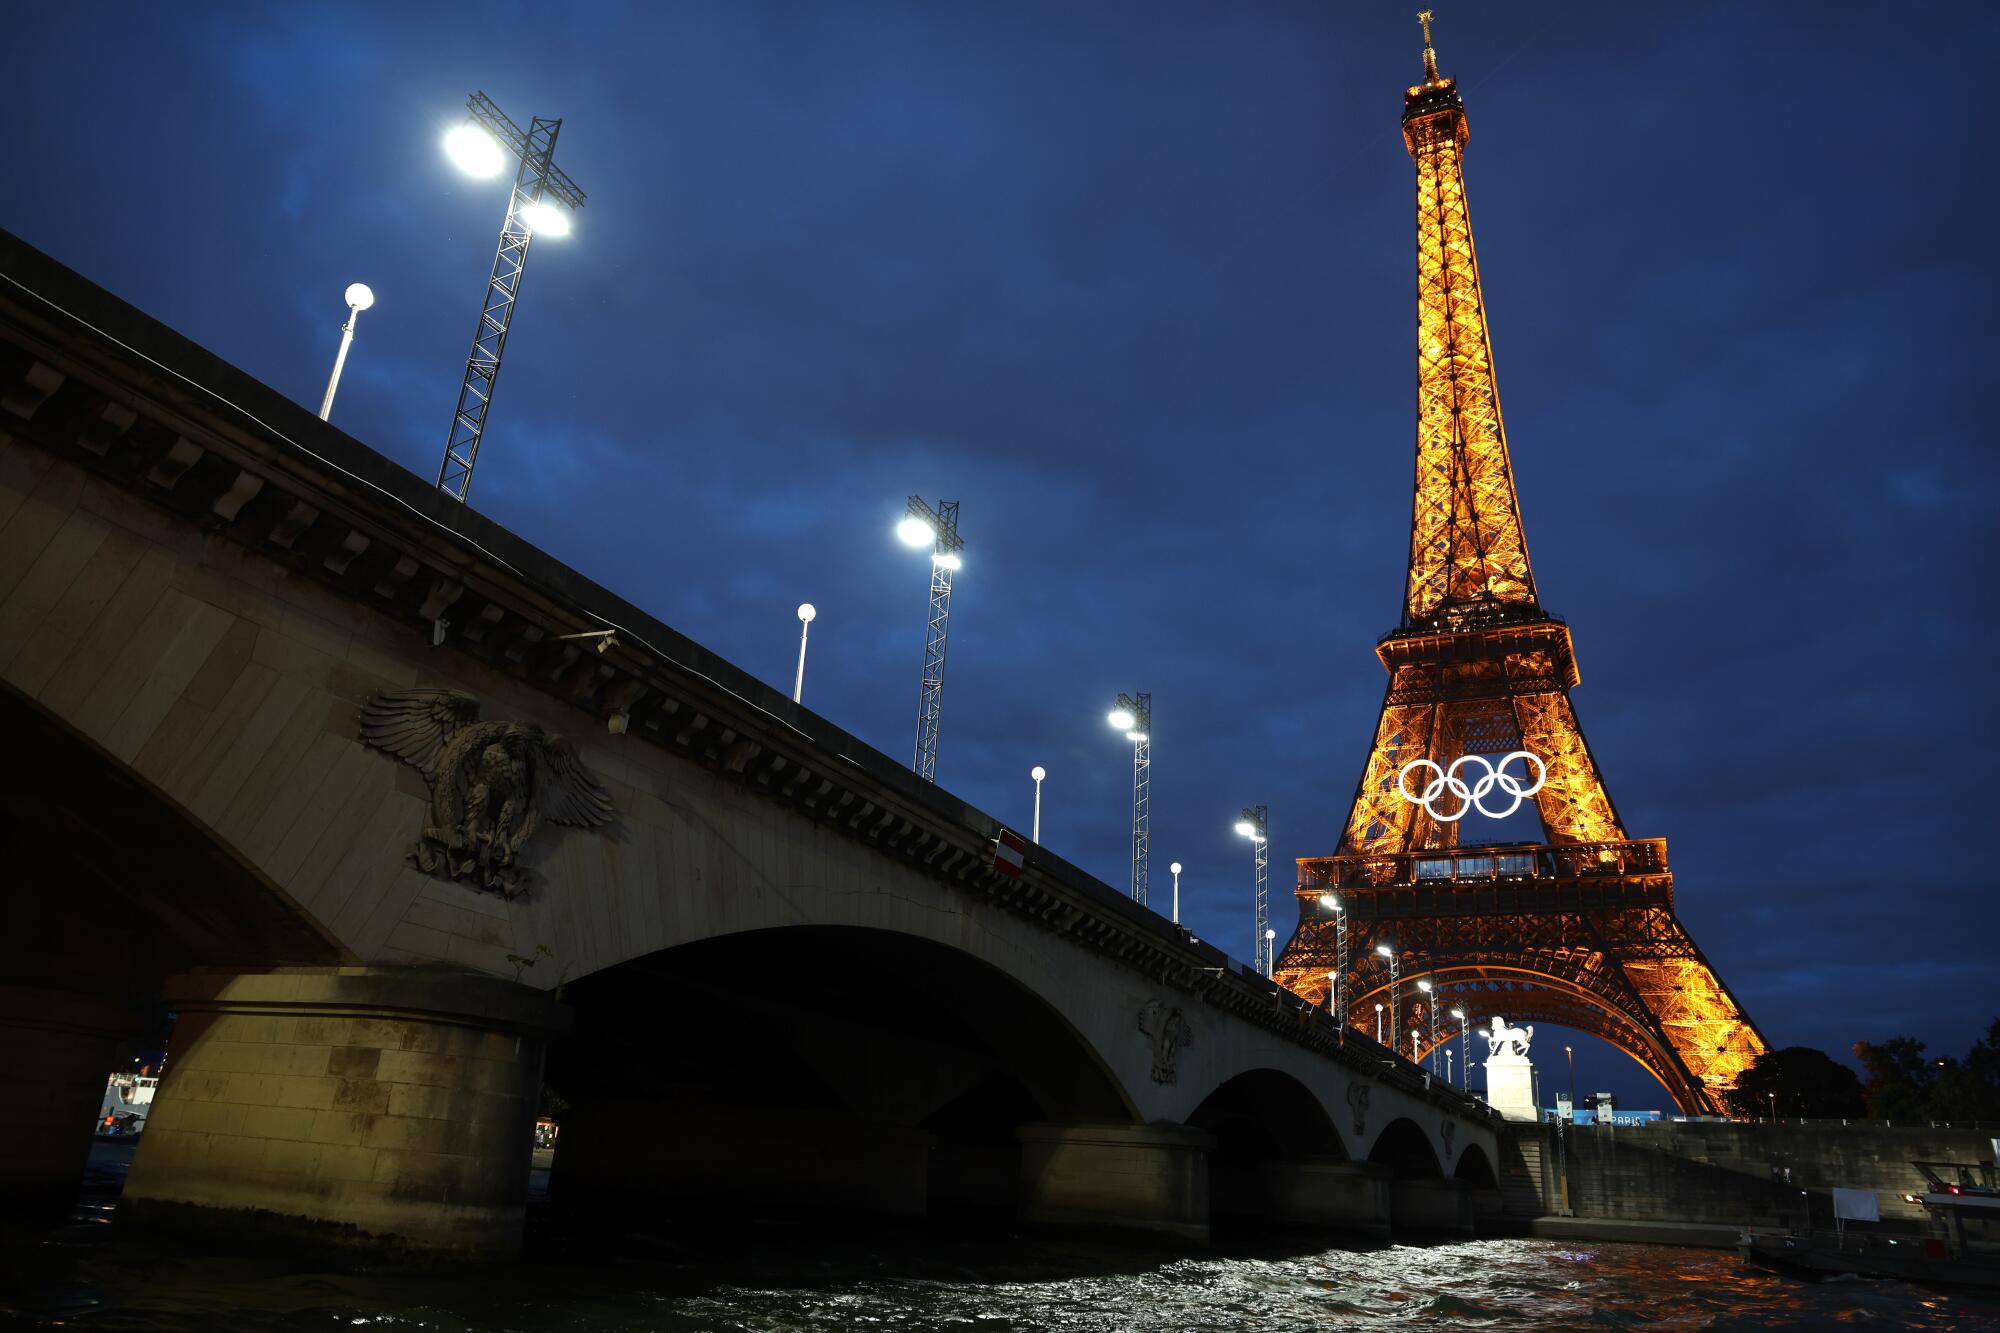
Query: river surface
{"x": 659, "y": 1276}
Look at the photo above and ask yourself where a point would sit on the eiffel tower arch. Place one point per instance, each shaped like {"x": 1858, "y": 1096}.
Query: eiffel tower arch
{"x": 1578, "y": 928}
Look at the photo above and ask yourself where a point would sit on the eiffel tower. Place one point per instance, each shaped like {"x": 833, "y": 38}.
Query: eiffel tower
{"x": 1578, "y": 929}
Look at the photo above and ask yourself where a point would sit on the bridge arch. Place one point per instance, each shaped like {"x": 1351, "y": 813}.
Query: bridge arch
{"x": 805, "y": 1066}
{"x": 1526, "y": 993}
{"x": 1475, "y": 1168}
{"x": 115, "y": 885}
{"x": 1406, "y": 1150}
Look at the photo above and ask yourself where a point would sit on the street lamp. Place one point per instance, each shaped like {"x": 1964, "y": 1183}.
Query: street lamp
{"x": 359, "y": 298}
{"x": 1256, "y": 826}
{"x": 480, "y": 149}
{"x": 1134, "y": 717}
{"x": 1269, "y": 940}
{"x": 1464, "y": 1057}
{"x": 1176, "y": 869}
{"x": 1378, "y": 1023}
{"x": 806, "y": 614}
{"x": 1415, "y": 1035}
{"x": 938, "y": 529}
{"x": 1038, "y": 773}
{"x": 1569, "y": 1053}
{"x": 1388, "y": 951}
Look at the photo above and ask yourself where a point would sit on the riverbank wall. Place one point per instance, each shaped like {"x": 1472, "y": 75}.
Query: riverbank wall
{"x": 1737, "y": 1175}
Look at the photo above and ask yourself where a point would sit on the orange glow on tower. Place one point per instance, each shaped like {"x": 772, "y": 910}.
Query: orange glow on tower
{"x": 1579, "y": 928}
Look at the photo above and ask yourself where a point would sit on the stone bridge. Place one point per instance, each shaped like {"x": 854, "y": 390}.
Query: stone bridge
{"x": 310, "y": 755}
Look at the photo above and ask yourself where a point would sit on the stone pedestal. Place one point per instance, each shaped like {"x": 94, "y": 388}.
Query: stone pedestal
{"x": 1432, "y": 1207}
{"x": 1510, "y": 1087}
{"x": 1149, "y": 1178}
{"x": 380, "y": 1108}
{"x": 57, "y": 1049}
{"x": 756, "y": 1160}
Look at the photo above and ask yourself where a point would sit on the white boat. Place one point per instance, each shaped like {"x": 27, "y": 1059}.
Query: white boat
{"x": 128, "y": 1099}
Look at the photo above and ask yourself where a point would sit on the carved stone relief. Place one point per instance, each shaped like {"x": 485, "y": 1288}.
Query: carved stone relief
{"x": 491, "y": 784}
{"x": 1171, "y": 1034}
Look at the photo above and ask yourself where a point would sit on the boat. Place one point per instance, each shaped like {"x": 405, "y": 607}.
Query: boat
{"x": 1960, "y": 1246}
{"x": 128, "y": 1100}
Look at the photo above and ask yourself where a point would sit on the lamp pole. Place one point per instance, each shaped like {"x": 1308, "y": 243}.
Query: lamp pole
{"x": 1332, "y": 903}
{"x": 1134, "y": 717}
{"x": 1416, "y": 1057}
{"x": 1256, "y": 826}
{"x": 1176, "y": 869}
{"x": 806, "y": 614}
{"x": 1388, "y": 951}
{"x": 479, "y": 147}
{"x": 1569, "y": 1053}
{"x": 1378, "y": 1023}
{"x": 359, "y": 298}
{"x": 938, "y": 529}
{"x": 1038, "y": 773}
{"x": 1431, "y": 994}
{"x": 1464, "y": 1057}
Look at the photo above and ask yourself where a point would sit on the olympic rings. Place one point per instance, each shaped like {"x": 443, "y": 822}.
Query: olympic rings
{"x": 1473, "y": 794}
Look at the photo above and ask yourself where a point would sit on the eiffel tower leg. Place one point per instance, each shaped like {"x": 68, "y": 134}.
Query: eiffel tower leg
{"x": 1380, "y": 819}
{"x": 1574, "y": 804}
{"x": 1708, "y": 1030}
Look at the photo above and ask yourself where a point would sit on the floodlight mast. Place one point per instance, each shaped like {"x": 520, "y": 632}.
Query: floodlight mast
{"x": 1258, "y": 817}
{"x": 945, "y": 546}
{"x": 1140, "y": 733}
{"x": 538, "y": 175}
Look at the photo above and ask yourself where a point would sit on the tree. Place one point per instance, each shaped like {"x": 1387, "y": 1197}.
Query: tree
{"x": 1904, "y": 1085}
{"x": 1806, "y": 1083}
{"x": 1900, "y": 1080}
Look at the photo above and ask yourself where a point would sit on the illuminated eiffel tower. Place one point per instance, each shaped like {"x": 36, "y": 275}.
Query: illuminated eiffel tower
{"x": 1577, "y": 929}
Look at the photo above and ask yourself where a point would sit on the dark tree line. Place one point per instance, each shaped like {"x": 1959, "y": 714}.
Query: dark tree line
{"x": 1903, "y": 1083}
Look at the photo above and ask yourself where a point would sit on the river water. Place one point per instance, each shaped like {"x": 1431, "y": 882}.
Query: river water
{"x": 659, "y": 1276}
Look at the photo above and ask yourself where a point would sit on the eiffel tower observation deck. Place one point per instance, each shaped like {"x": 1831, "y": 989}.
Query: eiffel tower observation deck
{"x": 1578, "y": 928}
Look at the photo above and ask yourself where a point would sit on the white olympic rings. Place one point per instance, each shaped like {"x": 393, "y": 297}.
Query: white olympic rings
{"x": 1472, "y": 794}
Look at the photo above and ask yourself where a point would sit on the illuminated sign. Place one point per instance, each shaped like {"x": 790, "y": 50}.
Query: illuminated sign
{"x": 1472, "y": 795}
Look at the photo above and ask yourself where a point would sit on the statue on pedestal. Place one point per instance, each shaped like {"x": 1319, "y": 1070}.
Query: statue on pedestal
{"x": 1510, "y": 1074}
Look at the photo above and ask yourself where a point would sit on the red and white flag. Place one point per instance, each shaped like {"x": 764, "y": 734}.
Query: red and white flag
{"x": 1010, "y": 850}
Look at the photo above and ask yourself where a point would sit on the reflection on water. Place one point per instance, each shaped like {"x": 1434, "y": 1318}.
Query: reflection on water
{"x": 592, "y": 1276}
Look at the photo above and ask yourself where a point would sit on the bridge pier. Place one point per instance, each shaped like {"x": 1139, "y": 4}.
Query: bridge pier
{"x": 60, "y": 1046}
{"x": 380, "y": 1108}
{"x": 1151, "y": 1178}
{"x": 1435, "y": 1206}
{"x": 1306, "y": 1195}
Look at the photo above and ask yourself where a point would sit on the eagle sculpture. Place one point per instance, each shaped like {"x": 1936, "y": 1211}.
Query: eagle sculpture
{"x": 491, "y": 783}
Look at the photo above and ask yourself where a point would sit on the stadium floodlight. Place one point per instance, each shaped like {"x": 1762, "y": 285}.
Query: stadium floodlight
{"x": 480, "y": 148}
{"x": 1134, "y": 716}
{"x": 937, "y": 529}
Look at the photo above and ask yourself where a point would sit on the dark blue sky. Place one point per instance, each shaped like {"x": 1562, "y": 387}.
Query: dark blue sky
{"x": 1135, "y": 283}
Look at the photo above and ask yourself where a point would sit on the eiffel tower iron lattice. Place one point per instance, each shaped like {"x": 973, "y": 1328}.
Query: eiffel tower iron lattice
{"x": 1578, "y": 929}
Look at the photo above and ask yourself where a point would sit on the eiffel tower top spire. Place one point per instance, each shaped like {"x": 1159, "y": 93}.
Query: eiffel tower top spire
{"x": 1467, "y": 551}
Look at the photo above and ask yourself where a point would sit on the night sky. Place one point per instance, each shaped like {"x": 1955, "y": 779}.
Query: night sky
{"x": 1135, "y": 283}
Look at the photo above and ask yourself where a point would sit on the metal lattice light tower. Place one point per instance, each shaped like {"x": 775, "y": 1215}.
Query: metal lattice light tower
{"x": 1429, "y": 988}
{"x": 480, "y": 149}
{"x": 937, "y": 529}
{"x": 1337, "y": 979}
{"x": 1388, "y": 951}
{"x": 1134, "y": 717}
{"x": 1256, "y": 826}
